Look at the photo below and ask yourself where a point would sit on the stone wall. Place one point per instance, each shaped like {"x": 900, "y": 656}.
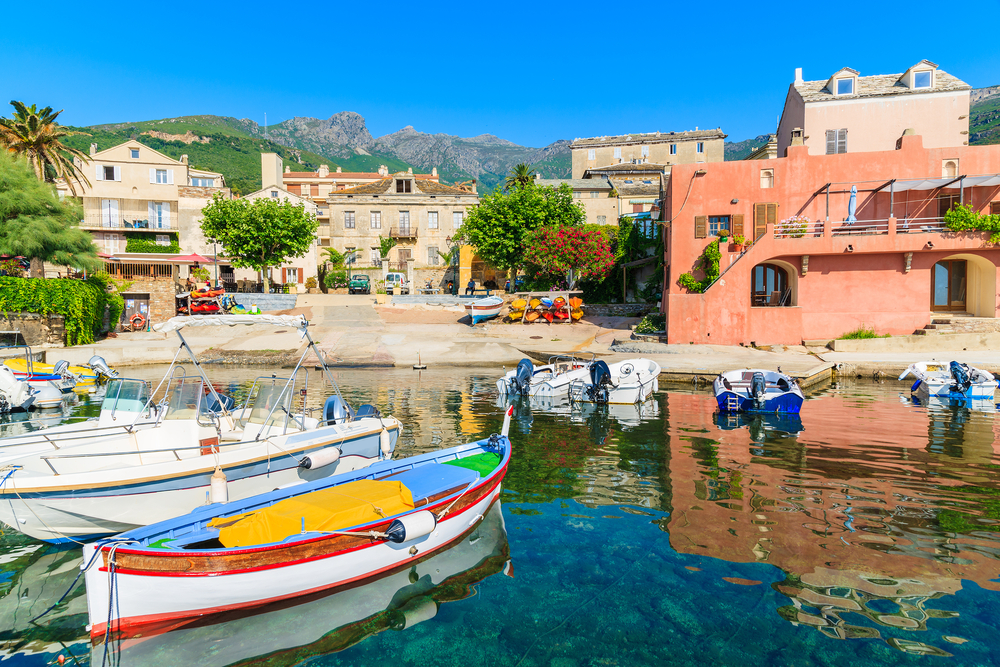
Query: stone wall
{"x": 36, "y": 329}
{"x": 161, "y": 297}
{"x": 619, "y": 309}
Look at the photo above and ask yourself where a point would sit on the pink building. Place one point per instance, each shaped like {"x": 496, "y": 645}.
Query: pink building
{"x": 811, "y": 274}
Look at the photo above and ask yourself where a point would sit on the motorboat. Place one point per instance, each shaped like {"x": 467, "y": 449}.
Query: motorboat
{"x": 191, "y": 448}
{"x": 293, "y": 632}
{"x": 624, "y": 382}
{"x": 15, "y": 395}
{"x": 41, "y": 377}
{"x": 954, "y": 380}
{"x": 484, "y": 309}
{"x": 551, "y": 379}
{"x": 757, "y": 390}
{"x": 95, "y": 370}
{"x": 278, "y": 545}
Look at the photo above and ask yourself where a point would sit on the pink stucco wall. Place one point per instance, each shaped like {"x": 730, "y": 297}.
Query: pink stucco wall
{"x": 841, "y": 290}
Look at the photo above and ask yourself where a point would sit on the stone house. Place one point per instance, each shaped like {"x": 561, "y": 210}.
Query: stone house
{"x": 658, "y": 148}
{"x": 298, "y": 269}
{"x": 594, "y": 194}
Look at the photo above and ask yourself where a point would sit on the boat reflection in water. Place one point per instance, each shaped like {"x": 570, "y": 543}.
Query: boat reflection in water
{"x": 944, "y": 403}
{"x": 292, "y": 631}
{"x": 759, "y": 424}
{"x": 599, "y": 418}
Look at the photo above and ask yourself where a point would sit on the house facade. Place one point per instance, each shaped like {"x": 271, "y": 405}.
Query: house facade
{"x": 297, "y": 269}
{"x": 850, "y": 113}
{"x": 659, "y": 148}
{"x": 596, "y": 195}
{"x": 811, "y": 272}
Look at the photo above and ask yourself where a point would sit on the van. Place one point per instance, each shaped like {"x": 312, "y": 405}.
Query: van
{"x": 396, "y": 281}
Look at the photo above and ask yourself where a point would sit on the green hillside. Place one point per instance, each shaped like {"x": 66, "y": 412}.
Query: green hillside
{"x": 984, "y": 121}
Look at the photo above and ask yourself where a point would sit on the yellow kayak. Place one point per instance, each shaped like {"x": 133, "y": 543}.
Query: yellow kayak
{"x": 20, "y": 368}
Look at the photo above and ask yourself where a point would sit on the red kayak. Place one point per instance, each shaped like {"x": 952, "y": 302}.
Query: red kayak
{"x": 547, "y": 315}
{"x": 204, "y": 308}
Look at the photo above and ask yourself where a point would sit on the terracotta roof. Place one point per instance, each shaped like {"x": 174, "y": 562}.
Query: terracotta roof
{"x": 626, "y": 168}
{"x": 638, "y": 187}
{"x": 333, "y": 175}
{"x": 878, "y": 85}
{"x": 649, "y": 138}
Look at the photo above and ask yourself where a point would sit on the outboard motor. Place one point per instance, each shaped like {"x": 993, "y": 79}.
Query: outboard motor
{"x": 367, "y": 410}
{"x": 521, "y": 382}
{"x": 600, "y": 381}
{"x": 211, "y": 404}
{"x": 103, "y": 370}
{"x": 337, "y": 411}
{"x": 758, "y": 390}
{"x": 960, "y": 374}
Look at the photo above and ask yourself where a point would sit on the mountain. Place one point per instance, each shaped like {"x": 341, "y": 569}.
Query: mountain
{"x": 984, "y": 116}
{"x": 738, "y": 150}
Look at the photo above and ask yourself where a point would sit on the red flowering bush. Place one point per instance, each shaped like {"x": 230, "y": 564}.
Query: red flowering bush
{"x": 557, "y": 250}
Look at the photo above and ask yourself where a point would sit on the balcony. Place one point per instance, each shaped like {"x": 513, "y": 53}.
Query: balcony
{"x": 403, "y": 232}
{"x": 126, "y": 220}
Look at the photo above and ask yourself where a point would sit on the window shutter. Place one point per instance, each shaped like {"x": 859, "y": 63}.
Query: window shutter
{"x": 831, "y": 142}
{"x": 166, "y": 215}
{"x": 300, "y": 275}
{"x": 700, "y": 226}
{"x": 842, "y": 141}
{"x": 118, "y": 173}
{"x": 152, "y": 174}
{"x": 284, "y": 278}
{"x": 995, "y": 208}
{"x": 738, "y": 225}
{"x": 170, "y": 176}
{"x": 113, "y": 212}
{"x": 100, "y": 173}
{"x": 150, "y": 213}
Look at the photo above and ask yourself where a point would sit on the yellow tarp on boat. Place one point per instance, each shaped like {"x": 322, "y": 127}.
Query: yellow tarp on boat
{"x": 331, "y": 509}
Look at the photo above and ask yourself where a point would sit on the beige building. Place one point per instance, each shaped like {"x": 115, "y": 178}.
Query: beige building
{"x": 848, "y": 112}
{"x": 594, "y": 194}
{"x": 421, "y": 215}
{"x": 659, "y": 148}
{"x": 297, "y": 269}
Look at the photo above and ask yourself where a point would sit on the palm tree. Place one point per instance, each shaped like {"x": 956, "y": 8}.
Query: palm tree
{"x": 520, "y": 176}
{"x": 35, "y": 135}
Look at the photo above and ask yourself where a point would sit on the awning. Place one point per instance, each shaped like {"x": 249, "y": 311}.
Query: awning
{"x": 954, "y": 183}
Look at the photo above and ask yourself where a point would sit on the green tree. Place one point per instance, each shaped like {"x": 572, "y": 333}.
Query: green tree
{"x": 261, "y": 233}
{"x": 36, "y": 224}
{"x": 37, "y": 137}
{"x": 521, "y": 176}
{"x": 497, "y": 227}
{"x": 385, "y": 245}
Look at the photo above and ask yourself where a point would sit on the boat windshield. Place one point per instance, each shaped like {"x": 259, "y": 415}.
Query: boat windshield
{"x": 269, "y": 395}
{"x": 125, "y": 394}
{"x": 184, "y": 398}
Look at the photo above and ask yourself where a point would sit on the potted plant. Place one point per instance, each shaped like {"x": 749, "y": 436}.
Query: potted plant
{"x": 794, "y": 226}
{"x": 740, "y": 241}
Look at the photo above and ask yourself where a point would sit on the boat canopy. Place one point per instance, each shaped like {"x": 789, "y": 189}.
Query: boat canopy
{"x": 177, "y": 323}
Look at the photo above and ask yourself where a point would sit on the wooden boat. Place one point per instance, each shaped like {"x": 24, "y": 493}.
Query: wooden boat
{"x": 757, "y": 390}
{"x": 291, "y": 633}
{"x": 158, "y": 464}
{"x": 484, "y": 309}
{"x": 625, "y": 382}
{"x": 531, "y": 316}
{"x": 295, "y": 541}
{"x": 955, "y": 380}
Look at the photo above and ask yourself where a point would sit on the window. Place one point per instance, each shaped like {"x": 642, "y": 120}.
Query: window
{"x": 701, "y": 146}
{"x": 205, "y": 182}
{"x": 159, "y": 214}
{"x": 135, "y": 153}
{"x": 618, "y": 152}
{"x": 432, "y": 220}
{"x": 836, "y": 141}
{"x": 111, "y": 243}
{"x": 348, "y": 219}
{"x": 403, "y": 186}
{"x": 767, "y": 178}
{"x": 161, "y": 176}
{"x": 644, "y": 150}
{"x": 845, "y": 86}
{"x": 376, "y": 256}
{"x": 109, "y": 174}
{"x": 162, "y": 239}
{"x": 376, "y": 219}
{"x": 949, "y": 169}
{"x": 109, "y": 213}
{"x": 577, "y": 195}
{"x": 922, "y": 79}
{"x": 769, "y": 286}
{"x": 274, "y": 194}
{"x": 595, "y": 194}
{"x": 591, "y": 154}
{"x": 433, "y": 257}
{"x": 673, "y": 149}
{"x": 306, "y": 190}
{"x": 602, "y": 219}
{"x": 716, "y": 223}
{"x": 995, "y": 208}
{"x": 456, "y": 219}
{"x": 404, "y": 222}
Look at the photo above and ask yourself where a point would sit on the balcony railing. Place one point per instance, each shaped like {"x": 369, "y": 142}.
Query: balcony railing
{"x": 403, "y": 232}
{"x": 920, "y": 225}
{"x": 797, "y": 230}
{"x": 122, "y": 221}
{"x": 859, "y": 228}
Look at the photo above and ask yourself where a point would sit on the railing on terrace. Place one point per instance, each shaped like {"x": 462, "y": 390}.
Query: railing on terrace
{"x": 129, "y": 271}
{"x": 403, "y": 232}
{"x": 797, "y": 230}
{"x": 859, "y": 228}
{"x": 920, "y": 225}
{"x": 122, "y": 221}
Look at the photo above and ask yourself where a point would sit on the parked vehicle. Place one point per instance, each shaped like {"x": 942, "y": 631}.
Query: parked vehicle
{"x": 360, "y": 284}
{"x": 394, "y": 281}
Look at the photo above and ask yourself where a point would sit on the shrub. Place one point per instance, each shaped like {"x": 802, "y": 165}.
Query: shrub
{"x": 963, "y": 219}
{"x": 311, "y": 282}
{"x": 652, "y": 323}
{"x": 81, "y": 302}
{"x": 335, "y": 279}
{"x": 554, "y": 251}
{"x": 861, "y": 333}
{"x": 709, "y": 264}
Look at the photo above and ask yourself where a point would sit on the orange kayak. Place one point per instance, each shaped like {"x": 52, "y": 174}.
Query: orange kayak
{"x": 561, "y": 314}
{"x": 575, "y": 302}
{"x": 531, "y": 316}
{"x": 547, "y": 315}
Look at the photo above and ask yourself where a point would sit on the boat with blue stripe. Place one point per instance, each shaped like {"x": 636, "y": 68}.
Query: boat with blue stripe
{"x": 757, "y": 390}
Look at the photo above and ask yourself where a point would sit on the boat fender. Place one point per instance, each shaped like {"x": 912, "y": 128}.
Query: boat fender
{"x": 417, "y": 610}
{"x": 411, "y": 526}
{"x": 323, "y": 457}
{"x": 915, "y": 385}
{"x": 385, "y": 442}
{"x": 220, "y": 491}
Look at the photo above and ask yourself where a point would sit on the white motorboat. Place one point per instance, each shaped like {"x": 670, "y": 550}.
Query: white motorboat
{"x": 190, "y": 449}
{"x": 624, "y": 382}
{"x": 757, "y": 390}
{"x": 550, "y": 380}
{"x": 954, "y": 380}
{"x": 15, "y": 395}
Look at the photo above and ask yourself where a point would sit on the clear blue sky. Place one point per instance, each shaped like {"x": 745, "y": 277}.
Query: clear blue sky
{"x": 531, "y": 73}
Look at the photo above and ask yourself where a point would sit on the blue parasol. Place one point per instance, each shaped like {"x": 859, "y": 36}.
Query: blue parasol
{"x": 852, "y": 205}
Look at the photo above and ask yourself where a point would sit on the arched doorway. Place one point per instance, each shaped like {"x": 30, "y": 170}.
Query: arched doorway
{"x": 770, "y": 285}
{"x": 964, "y": 283}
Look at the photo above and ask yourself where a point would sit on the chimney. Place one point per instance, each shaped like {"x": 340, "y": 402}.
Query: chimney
{"x": 324, "y": 170}
{"x": 93, "y": 149}
{"x": 797, "y": 136}
{"x": 288, "y": 170}
{"x": 409, "y": 171}
{"x": 798, "y": 75}
{"x": 184, "y": 159}
{"x": 434, "y": 172}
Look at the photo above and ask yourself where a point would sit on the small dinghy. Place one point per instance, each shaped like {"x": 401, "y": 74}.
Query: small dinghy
{"x": 757, "y": 390}
{"x": 625, "y": 382}
{"x": 957, "y": 380}
{"x": 294, "y": 541}
{"x": 481, "y": 310}
{"x": 15, "y": 395}
{"x": 550, "y": 380}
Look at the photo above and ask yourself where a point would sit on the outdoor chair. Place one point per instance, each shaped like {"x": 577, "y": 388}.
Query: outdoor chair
{"x": 241, "y": 286}
{"x": 774, "y": 299}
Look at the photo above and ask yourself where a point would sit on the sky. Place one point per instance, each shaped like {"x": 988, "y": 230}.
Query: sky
{"x": 531, "y": 74}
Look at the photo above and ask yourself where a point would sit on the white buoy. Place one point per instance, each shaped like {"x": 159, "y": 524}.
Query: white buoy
{"x": 411, "y": 526}
{"x": 220, "y": 491}
{"x": 384, "y": 442}
{"x": 323, "y": 457}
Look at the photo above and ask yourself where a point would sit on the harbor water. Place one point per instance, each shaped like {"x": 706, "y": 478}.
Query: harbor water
{"x": 866, "y": 531}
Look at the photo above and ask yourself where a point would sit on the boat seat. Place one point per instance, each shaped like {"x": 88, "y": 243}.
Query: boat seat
{"x": 431, "y": 479}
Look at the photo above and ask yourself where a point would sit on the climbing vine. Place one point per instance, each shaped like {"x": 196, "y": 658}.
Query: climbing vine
{"x": 81, "y": 302}
{"x": 963, "y": 219}
{"x": 709, "y": 264}
{"x": 140, "y": 242}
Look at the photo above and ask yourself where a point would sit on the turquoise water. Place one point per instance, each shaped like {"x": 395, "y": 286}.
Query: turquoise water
{"x": 866, "y": 533}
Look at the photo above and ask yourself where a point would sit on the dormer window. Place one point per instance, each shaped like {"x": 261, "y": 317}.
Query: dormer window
{"x": 922, "y": 79}
{"x": 403, "y": 186}
{"x": 845, "y": 86}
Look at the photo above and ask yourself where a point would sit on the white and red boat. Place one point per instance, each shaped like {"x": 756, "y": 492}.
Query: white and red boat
{"x": 292, "y": 542}
{"x": 484, "y": 309}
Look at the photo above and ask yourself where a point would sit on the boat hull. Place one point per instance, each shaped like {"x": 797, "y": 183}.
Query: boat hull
{"x": 733, "y": 392}
{"x": 786, "y": 402}
{"x": 484, "y": 309}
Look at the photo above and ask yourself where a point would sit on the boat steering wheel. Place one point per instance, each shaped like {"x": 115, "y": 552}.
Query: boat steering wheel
{"x": 627, "y": 369}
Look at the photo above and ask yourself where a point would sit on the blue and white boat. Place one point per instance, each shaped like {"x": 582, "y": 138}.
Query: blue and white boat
{"x": 954, "y": 380}
{"x": 757, "y": 390}
{"x": 481, "y": 310}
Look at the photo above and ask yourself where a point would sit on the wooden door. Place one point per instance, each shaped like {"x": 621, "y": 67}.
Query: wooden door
{"x": 949, "y": 281}
{"x": 946, "y": 203}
